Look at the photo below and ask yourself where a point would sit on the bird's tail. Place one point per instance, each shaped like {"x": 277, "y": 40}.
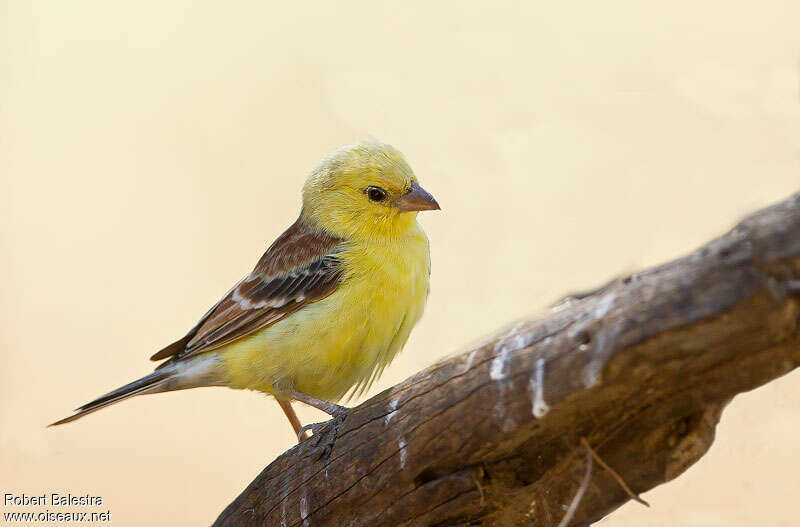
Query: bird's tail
{"x": 152, "y": 383}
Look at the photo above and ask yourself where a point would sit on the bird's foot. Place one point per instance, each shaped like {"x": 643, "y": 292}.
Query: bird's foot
{"x": 314, "y": 428}
{"x": 325, "y": 433}
{"x": 317, "y": 429}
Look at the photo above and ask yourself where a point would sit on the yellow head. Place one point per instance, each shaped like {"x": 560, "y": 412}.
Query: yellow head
{"x": 365, "y": 190}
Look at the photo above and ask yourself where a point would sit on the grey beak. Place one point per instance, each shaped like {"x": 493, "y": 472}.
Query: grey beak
{"x": 417, "y": 199}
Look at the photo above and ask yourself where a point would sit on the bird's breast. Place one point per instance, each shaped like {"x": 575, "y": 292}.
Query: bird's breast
{"x": 382, "y": 297}
{"x": 346, "y": 339}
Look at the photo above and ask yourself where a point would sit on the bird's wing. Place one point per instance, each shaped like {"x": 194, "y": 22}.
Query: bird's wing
{"x": 301, "y": 267}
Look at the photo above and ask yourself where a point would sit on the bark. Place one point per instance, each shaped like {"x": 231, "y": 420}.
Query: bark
{"x": 640, "y": 369}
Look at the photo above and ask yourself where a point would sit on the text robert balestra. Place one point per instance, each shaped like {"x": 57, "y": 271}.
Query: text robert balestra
{"x": 51, "y": 500}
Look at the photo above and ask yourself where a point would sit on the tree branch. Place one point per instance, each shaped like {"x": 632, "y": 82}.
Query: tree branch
{"x": 640, "y": 369}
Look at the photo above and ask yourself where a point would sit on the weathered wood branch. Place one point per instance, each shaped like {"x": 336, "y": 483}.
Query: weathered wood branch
{"x": 641, "y": 369}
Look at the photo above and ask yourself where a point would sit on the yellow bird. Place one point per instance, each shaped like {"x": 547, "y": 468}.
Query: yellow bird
{"x": 328, "y": 305}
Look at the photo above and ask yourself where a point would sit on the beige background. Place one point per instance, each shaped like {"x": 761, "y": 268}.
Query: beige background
{"x": 149, "y": 152}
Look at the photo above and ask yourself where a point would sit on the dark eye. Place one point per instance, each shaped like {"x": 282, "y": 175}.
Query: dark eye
{"x": 376, "y": 193}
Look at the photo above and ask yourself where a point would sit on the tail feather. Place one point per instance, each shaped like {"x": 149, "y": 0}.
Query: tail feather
{"x": 147, "y": 384}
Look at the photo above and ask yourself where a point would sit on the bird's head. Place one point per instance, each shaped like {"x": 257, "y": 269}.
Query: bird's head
{"x": 365, "y": 190}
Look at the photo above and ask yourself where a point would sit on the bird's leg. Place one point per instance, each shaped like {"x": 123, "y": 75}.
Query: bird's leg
{"x": 286, "y": 406}
{"x": 334, "y": 410}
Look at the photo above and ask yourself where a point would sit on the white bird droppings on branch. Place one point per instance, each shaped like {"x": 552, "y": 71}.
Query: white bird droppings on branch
{"x": 403, "y": 453}
{"x": 392, "y": 411}
{"x": 539, "y": 406}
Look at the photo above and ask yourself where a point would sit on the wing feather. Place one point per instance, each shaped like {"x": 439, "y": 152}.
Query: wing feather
{"x": 301, "y": 267}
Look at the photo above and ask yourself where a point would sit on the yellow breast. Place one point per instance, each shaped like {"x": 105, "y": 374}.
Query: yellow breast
{"x": 344, "y": 341}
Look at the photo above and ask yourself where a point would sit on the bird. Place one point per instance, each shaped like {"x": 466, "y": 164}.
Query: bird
{"x": 329, "y": 304}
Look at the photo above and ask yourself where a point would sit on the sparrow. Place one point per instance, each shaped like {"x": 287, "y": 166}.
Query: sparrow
{"x": 329, "y": 304}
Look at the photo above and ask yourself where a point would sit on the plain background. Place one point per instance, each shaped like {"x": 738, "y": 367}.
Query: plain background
{"x": 150, "y": 151}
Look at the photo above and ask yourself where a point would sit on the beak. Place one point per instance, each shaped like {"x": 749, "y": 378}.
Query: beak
{"x": 417, "y": 198}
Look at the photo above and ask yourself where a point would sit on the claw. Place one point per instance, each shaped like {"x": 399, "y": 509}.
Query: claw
{"x": 314, "y": 428}
{"x": 326, "y": 433}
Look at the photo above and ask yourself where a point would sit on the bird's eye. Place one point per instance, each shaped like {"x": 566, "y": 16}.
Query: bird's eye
{"x": 376, "y": 193}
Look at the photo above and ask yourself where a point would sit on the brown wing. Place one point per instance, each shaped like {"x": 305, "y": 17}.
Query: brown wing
{"x": 299, "y": 268}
